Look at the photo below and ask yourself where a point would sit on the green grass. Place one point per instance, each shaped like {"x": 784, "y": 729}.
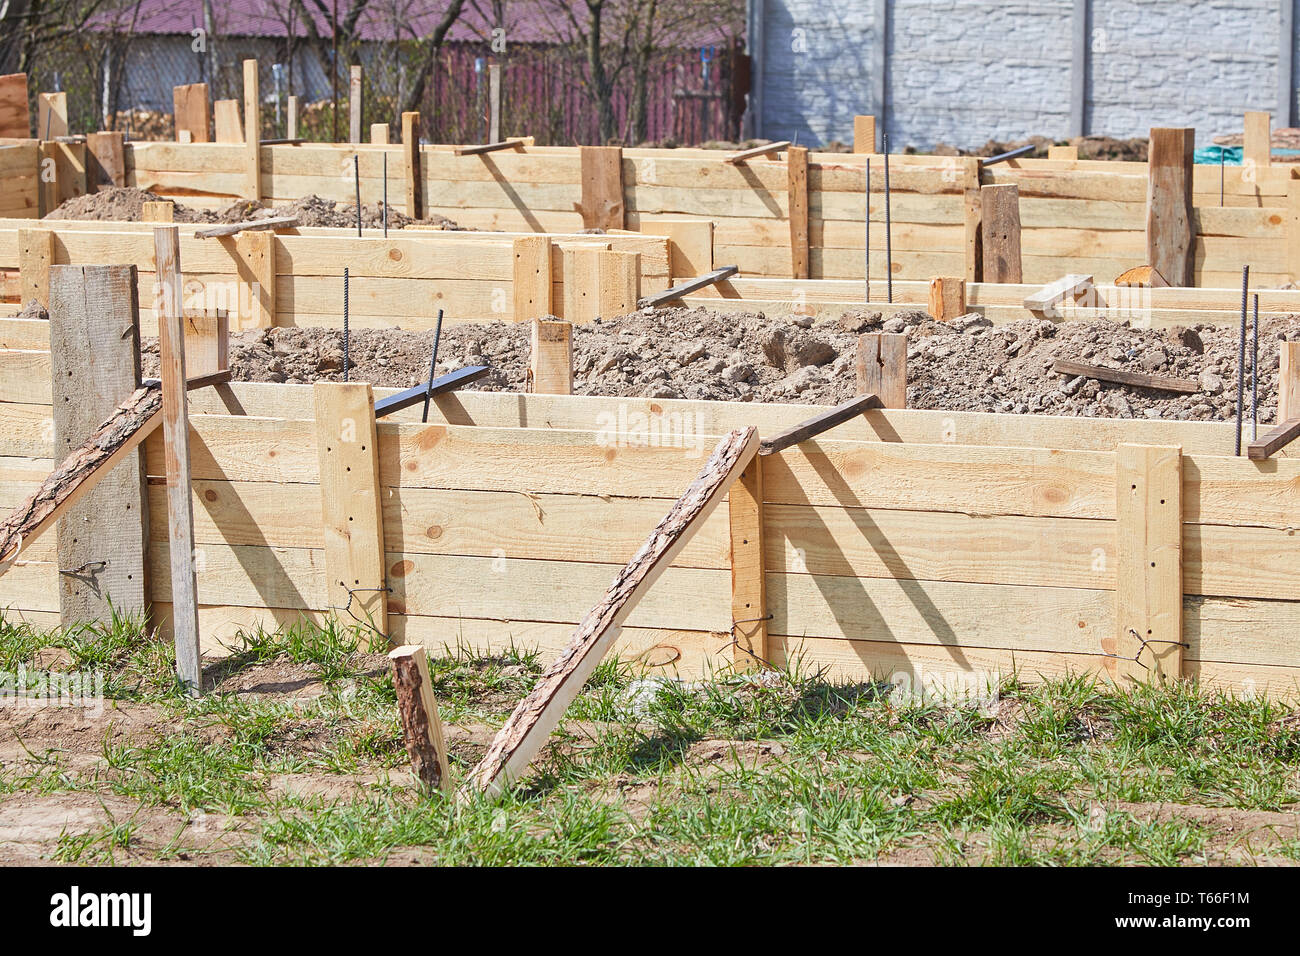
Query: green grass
{"x": 729, "y": 771}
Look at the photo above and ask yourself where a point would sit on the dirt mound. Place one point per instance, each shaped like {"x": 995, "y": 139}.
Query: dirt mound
{"x": 964, "y": 365}
{"x": 1090, "y": 147}
{"x": 126, "y": 204}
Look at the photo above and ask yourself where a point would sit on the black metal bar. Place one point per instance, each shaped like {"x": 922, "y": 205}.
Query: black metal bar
{"x": 1010, "y": 154}
{"x": 385, "y": 154}
{"x": 889, "y": 239}
{"x": 686, "y": 288}
{"x": 1241, "y": 354}
{"x": 418, "y": 393}
{"x": 814, "y": 426}
{"x": 356, "y": 176}
{"x": 1254, "y": 370}
{"x": 433, "y": 361}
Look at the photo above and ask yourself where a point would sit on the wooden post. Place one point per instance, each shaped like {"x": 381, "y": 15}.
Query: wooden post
{"x": 618, "y": 282}
{"x": 748, "y": 575}
{"x": 864, "y": 134}
{"x": 947, "y": 298}
{"x": 797, "y": 188}
{"x": 106, "y": 163}
{"x": 973, "y": 216}
{"x": 51, "y": 115}
{"x": 411, "y": 152}
{"x": 348, "y": 448}
{"x": 1063, "y": 152}
{"x": 1000, "y": 228}
{"x": 15, "y": 109}
{"x": 551, "y": 360}
{"x": 494, "y": 103}
{"x": 379, "y": 134}
{"x": 532, "y": 278}
{"x": 191, "y": 112}
{"x": 252, "y": 130}
{"x": 882, "y": 367}
{"x": 418, "y": 709}
{"x": 207, "y": 342}
{"x": 68, "y": 163}
{"x": 256, "y": 250}
{"x": 1258, "y": 139}
{"x": 602, "y": 187}
{"x": 1288, "y": 382}
{"x": 176, "y": 447}
{"x": 35, "y": 255}
{"x": 94, "y": 366}
{"x": 354, "y": 104}
{"x": 1148, "y": 571}
{"x": 1169, "y": 204}
{"x": 157, "y": 211}
{"x": 291, "y": 118}
{"x": 531, "y": 723}
{"x": 690, "y": 251}
{"x": 226, "y": 122}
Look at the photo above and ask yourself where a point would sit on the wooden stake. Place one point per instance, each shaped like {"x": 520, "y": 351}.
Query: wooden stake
{"x": 252, "y": 130}
{"x": 291, "y": 118}
{"x": 864, "y": 134}
{"x": 411, "y": 154}
{"x": 418, "y": 709}
{"x": 602, "y": 187}
{"x": 1169, "y": 204}
{"x": 35, "y": 254}
{"x": 1258, "y": 139}
{"x": 532, "y": 287}
{"x": 207, "y": 342}
{"x": 1000, "y": 227}
{"x": 1288, "y": 381}
{"x": 51, "y": 116}
{"x": 225, "y": 120}
{"x": 947, "y": 298}
{"x": 176, "y": 446}
{"x": 379, "y": 134}
{"x": 105, "y": 160}
{"x": 256, "y": 251}
{"x": 157, "y": 211}
{"x": 191, "y": 112}
{"x": 797, "y": 186}
{"x": 354, "y": 104}
{"x": 973, "y": 217}
{"x": 15, "y": 108}
{"x": 618, "y": 283}
{"x": 348, "y": 448}
{"x": 551, "y": 361}
{"x": 494, "y": 103}
{"x": 1148, "y": 572}
{"x": 882, "y": 367}
{"x": 528, "y": 728}
{"x": 748, "y": 574}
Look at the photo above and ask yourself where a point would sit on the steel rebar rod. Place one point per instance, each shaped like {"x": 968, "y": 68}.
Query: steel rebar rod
{"x": 346, "y": 362}
{"x": 1254, "y": 370}
{"x": 433, "y": 361}
{"x": 356, "y": 175}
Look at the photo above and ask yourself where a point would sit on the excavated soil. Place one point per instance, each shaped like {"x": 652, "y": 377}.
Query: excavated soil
{"x": 126, "y": 204}
{"x": 964, "y": 365}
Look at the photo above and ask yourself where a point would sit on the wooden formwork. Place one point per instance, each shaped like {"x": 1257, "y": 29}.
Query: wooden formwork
{"x": 912, "y": 543}
{"x": 294, "y": 277}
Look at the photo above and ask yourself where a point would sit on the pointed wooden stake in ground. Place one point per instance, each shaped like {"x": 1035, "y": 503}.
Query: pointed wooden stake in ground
{"x": 419, "y": 712}
{"x": 537, "y": 715}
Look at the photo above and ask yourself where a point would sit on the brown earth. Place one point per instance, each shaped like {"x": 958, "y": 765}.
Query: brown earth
{"x": 964, "y": 365}
{"x": 126, "y": 204}
{"x": 1090, "y": 147}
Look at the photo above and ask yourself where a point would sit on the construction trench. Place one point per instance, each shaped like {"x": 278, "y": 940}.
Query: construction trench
{"x": 1014, "y": 430}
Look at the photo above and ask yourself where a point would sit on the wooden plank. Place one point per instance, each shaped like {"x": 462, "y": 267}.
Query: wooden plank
{"x": 1063, "y": 152}
{"x": 1274, "y": 440}
{"x": 252, "y": 132}
{"x": 618, "y": 282}
{"x": 705, "y": 281}
{"x": 291, "y": 118}
{"x": 15, "y": 111}
{"x": 1000, "y": 229}
{"x": 418, "y": 710}
{"x": 601, "y": 205}
{"x": 355, "y": 103}
{"x": 63, "y": 174}
{"x": 177, "y": 467}
{"x": 229, "y": 126}
{"x": 494, "y": 146}
{"x": 1149, "y": 576}
{"x": 864, "y": 134}
{"x": 551, "y": 357}
{"x": 105, "y": 162}
{"x": 1165, "y": 383}
{"x": 378, "y": 134}
{"x": 972, "y": 218}
{"x": 349, "y": 488}
{"x": 157, "y": 211}
{"x": 191, "y": 112}
{"x": 1070, "y": 287}
{"x": 765, "y": 151}
{"x": 532, "y": 287}
{"x": 818, "y": 424}
{"x": 256, "y": 252}
{"x": 1288, "y": 381}
{"x": 1169, "y": 204}
{"x": 1291, "y": 217}
{"x": 947, "y": 298}
{"x": 881, "y": 366}
{"x": 797, "y": 169}
{"x": 690, "y": 244}
{"x": 51, "y": 115}
{"x": 207, "y": 342}
{"x": 411, "y": 158}
{"x": 748, "y": 574}
{"x": 1257, "y": 153}
{"x": 95, "y": 364}
{"x": 250, "y": 225}
{"x": 35, "y": 255}
{"x": 25, "y": 374}
{"x": 531, "y": 723}
{"x": 113, "y": 442}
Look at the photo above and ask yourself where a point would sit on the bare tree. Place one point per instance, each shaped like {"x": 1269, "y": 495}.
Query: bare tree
{"x": 428, "y": 48}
